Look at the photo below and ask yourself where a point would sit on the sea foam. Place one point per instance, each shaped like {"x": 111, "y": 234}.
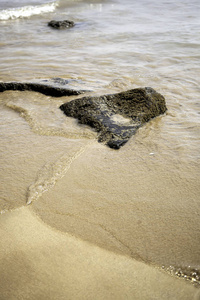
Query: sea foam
{"x": 27, "y": 11}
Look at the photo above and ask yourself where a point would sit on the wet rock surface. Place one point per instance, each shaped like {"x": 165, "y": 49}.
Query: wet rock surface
{"x": 55, "y": 87}
{"x": 118, "y": 116}
{"x": 61, "y": 24}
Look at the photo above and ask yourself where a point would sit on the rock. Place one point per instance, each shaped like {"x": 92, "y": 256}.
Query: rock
{"x": 61, "y": 24}
{"x": 55, "y": 87}
{"x": 117, "y": 117}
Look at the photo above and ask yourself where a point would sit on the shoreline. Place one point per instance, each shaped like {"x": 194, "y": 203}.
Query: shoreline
{"x": 134, "y": 209}
{"x": 79, "y": 220}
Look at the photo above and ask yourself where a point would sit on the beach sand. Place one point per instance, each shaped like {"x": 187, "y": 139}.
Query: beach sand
{"x": 38, "y": 262}
{"x": 79, "y": 220}
{"x": 82, "y": 221}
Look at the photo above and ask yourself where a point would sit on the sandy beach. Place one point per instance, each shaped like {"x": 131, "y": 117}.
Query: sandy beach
{"x": 38, "y": 262}
{"x": 79, "y": 220}
{"x": 88, "y": 222}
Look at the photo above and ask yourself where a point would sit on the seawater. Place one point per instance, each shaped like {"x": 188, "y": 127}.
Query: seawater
{"x": 114, "y": 46}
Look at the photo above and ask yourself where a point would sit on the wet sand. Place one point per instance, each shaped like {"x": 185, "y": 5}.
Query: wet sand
{"x": 130, "y": 202}
{"x": 82, "y": 221}
{"x": 77, "y": 219}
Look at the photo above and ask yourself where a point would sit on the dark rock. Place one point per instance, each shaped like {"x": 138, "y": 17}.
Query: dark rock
{"x": 117, "y": 117}
{"x": 56, "y": 87}
{"x": 61, "y": 24}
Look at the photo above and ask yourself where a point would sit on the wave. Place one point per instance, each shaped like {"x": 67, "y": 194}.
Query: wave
{"x": 27, "y": 11}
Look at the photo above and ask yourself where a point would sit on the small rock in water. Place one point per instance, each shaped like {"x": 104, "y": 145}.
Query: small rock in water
{"x": 55, "y": 87}
{"x": 135, "y": 107}
{"x": 61, "y": 24}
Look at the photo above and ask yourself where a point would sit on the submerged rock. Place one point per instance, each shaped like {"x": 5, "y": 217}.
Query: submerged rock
{"x": 61, "y": 24}
{"x": 55, "y": 87}
{"x": 118, "y": 116}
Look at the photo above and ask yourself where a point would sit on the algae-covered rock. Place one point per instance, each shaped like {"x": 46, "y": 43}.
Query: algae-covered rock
{"x": 118, "y": 116}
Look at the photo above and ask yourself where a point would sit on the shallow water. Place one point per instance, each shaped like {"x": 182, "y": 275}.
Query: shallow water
{"x": 143, "y": 200}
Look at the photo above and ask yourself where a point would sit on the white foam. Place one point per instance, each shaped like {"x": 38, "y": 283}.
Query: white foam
{"x": 27, "y": 11}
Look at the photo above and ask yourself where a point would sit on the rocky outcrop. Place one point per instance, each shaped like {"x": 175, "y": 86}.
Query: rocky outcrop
{"x": 61, "y": 24}
{"x": 117, "y": 117}
{"x": 55, "y": 87}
